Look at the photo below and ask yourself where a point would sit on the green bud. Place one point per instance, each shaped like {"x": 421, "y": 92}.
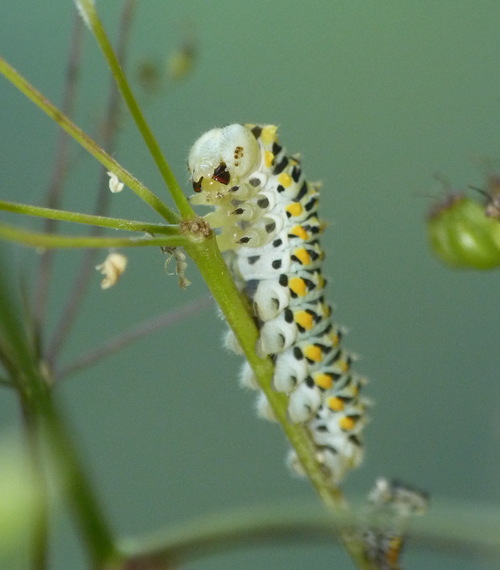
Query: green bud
{"x": 20, "y": 501}
{"x": 462, "y": 235}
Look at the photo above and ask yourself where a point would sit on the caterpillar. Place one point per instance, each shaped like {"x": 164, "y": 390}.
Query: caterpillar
{"x": 266, "y": 215}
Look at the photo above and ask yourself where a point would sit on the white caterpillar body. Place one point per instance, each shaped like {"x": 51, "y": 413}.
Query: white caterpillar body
{"x": 266, "y": 213}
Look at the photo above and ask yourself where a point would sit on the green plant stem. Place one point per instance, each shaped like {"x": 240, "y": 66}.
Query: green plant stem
{"x": 90, "y": 219}
{"x": 53, "y": 434}
{"x": 237, "y": 313}
{"x": 75, "y": 485}
{"x": 240, "y": 527}
{"x": 87, "y": 142}
{"x": 84, "y": 276}
{"x": 42, "y": 240}
{"x": 90, "y": 14}
{"x": 59, "y": 175}
{"x": 205, "y": 253}
{"x": 78, "y": 490}
{"x": 6, "y": 383}
{"x": 40, "y": 531}
{"x": 456, "y": 528}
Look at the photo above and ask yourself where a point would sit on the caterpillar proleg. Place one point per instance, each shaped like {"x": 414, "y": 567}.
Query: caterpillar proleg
{"x": 266, "y": 213}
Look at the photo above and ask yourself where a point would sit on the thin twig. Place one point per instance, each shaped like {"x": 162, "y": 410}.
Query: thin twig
{"x": 89, "y": 219}
{"x": 59, "y": 173}
{"x": 136, "y": 332}
{"x": 110, "y": 130}
{"x": 87, "y": 142}
{"x": 41, "y": 240}
{"x": 89, "y": 13}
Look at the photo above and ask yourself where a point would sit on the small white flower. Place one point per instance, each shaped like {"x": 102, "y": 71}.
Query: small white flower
{"x": 112, "y": 268}
{"x": 114, "y": 184}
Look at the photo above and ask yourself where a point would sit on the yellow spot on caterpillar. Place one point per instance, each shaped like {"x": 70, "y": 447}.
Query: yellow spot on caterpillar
{"x": 347, "y": 423}
{"x": 294, "y": 209}
{"x": 325, "y": 311}
{"x": 344, "y": 365}
{"x": 335, "y": 337}
{"x": 302, "y": 255}
{"x": 268, "y": 158}
{"x": 285, "y": 179}
{"x": 268, "y": 134}
{"x": 298, "y": 286}
{"x": 314, "y": 353}
{"x": 304, "y": 319}
{"x": 300, "y": 232}
{"x": 336, "y": 404}
{"x": 323, "y": 381}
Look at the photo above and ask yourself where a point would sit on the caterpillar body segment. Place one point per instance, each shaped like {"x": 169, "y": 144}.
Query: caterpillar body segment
{"x": 266, "y": 214}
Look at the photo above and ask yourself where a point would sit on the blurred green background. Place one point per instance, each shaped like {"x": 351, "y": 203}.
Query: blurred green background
{"x": 377, "y": 97}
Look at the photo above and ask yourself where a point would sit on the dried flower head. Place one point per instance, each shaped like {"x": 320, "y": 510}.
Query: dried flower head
{"x": 112, "y": 268}
{"x": 114, "y": 183}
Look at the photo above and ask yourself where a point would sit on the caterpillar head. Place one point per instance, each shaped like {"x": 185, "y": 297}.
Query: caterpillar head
{"x": 220, "y": 158}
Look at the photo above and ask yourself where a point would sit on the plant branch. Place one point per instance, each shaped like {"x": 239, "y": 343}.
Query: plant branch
{"x": 217, "y": 276}
{"x": 139, "y": 331}
{"x": 456, "y": 528}
{"x": 78, "y": 490}
{"x": 83, "y": 278}
{"x": 50, "y": 426}
{"x": 42, "y": 240}
{"x": 87, "y": 142}
{"x": 91, "y": 17}
{"x": 59, "y": 173}
{"x": 241, "y": 527}
{"x": 90, "y": 219}
{"x": 40, "y": 531}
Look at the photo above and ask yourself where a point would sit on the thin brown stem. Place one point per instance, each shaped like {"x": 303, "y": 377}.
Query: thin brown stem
{"x": 110, "y": 131}
{"x": 59, "y": 174}
{"x": 137, "y": 332}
